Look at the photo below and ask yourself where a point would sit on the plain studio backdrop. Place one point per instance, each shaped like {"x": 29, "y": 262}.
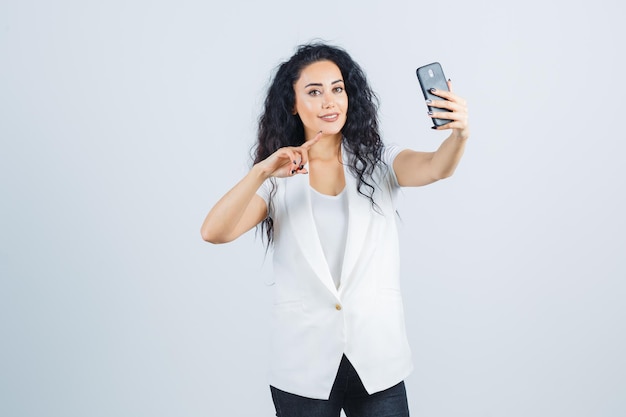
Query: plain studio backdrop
{"x": 122, "y": 123}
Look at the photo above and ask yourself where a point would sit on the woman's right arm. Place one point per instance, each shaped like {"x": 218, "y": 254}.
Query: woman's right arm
{"x": 238, "y": 211}
{"x": 241, "y": 208}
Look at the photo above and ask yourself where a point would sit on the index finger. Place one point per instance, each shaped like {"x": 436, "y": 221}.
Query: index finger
{"x": 307, "y": 145}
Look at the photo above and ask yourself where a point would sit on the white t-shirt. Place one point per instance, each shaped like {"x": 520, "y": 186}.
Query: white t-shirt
{"x": 331, "y": 220}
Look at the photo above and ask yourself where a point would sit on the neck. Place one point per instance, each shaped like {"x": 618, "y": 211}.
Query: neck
{"x": 328, "y": 147}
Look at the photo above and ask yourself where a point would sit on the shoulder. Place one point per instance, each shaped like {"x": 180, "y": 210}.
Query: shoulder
{"x": 267, "y": 189}
{"x": 390, "y": 152}
{"x": 387, "y": 157}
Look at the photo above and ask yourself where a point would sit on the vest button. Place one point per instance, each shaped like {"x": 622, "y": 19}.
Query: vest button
{"x": 338, "y": 307}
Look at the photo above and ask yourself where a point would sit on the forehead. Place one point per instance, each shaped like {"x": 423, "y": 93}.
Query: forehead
{"x": 320, "y": 72}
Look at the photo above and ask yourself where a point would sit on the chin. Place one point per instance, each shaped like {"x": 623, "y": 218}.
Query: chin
{"x": 331, "y": 130}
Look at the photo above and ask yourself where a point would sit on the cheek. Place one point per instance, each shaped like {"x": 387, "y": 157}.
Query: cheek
{"x": 344, "y": 102}
{"x": 307, "y": 107}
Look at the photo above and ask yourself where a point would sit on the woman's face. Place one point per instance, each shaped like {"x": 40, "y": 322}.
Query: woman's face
{"x": 321, "y": 99}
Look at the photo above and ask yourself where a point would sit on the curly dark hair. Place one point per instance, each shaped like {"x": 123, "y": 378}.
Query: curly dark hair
{"x": 279, "y": 127}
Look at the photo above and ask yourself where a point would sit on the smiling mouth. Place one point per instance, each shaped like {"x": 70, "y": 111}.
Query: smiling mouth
{"x": 330, "y": 117}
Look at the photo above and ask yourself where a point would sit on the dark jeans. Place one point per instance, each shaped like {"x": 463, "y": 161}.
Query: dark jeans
{"x": 347, "y": 393}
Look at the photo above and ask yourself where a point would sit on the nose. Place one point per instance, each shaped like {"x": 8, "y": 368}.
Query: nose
{"x": 328, "y": 101}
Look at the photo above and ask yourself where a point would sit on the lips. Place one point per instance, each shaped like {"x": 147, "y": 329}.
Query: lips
{"x": 330, "y": 117}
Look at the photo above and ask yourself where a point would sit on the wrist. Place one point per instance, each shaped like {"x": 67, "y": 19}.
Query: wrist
{"x": 258, "y": 171}
{"x": 460, "y": 134}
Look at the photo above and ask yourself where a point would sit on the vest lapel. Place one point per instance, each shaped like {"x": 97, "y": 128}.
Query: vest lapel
{"x": 300, "y": 214}
{"x": 358, "y": 223}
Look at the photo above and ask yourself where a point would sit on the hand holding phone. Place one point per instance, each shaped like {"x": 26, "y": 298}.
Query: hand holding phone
{"x": 431, "y": 76}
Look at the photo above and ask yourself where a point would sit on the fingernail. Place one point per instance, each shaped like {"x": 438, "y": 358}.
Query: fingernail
{"x": 430, "y": 113}
{"x": 294, "y": 162}
{"x": 432, "y": 90}
{"x": 301, "y": 166}
{"x": 429, "y": 101}
{"x": 449, "y": 80}
{"x": 293, "y": 171}
{"x": 434, "y": 127}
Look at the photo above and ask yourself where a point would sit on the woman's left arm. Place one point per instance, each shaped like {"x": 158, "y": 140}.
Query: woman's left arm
{"x": 414, "y": 168}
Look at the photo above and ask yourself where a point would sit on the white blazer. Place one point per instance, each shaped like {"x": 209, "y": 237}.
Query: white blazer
{"x": 313, "y": 322}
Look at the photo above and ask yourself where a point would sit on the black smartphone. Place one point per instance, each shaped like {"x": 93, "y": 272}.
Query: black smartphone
{"x": 431, "y": 76}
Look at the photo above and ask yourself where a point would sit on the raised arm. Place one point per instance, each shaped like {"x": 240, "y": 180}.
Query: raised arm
{"x": 240, "y": 209}
{"x": 414, "y": 168}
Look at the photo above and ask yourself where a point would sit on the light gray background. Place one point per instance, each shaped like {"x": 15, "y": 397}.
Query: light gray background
{"x": 122, "y": 122}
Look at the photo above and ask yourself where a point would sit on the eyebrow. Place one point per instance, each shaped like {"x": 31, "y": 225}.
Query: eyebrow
{"x": 320, "y": 84}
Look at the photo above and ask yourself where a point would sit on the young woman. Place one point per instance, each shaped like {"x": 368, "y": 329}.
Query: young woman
{"x": 323, "y": 188}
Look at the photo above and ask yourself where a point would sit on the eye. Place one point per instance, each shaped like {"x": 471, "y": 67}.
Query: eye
{"x": 338, "y": 89}
{"x": 314, "y": 92}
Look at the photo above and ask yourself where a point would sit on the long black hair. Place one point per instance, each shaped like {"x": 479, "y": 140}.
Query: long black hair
{"x": 279, "y": 127}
